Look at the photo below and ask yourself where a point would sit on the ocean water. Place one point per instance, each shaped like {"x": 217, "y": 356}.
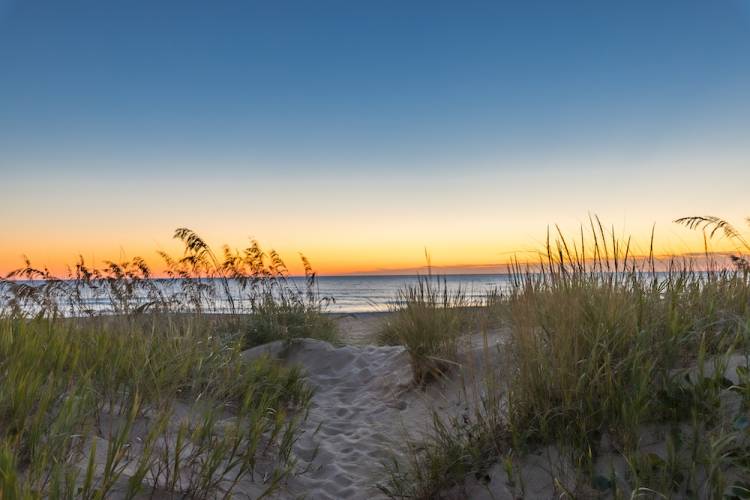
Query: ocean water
{"x": 348, "y": 294}
{"x": 354, "y": 294}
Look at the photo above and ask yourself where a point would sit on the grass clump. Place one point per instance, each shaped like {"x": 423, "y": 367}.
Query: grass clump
{"x": 428, "y": 319}
{"x": 594, "y": 343}
{"x": 605, "y": 355}
{"x": 281, "y": 310}
{"x": 456, "y": 448}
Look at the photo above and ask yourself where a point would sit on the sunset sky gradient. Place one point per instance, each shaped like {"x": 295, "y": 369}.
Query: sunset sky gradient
{"x": 361, "y": 133}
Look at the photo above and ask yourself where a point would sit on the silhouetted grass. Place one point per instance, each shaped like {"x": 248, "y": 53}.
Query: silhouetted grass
{"x": 250, "y": 286}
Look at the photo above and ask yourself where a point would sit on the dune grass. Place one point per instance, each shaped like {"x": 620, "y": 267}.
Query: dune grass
{"x": 113, "y": 380}
{"x": 284, "y": 317}
{"x": 603, "y": 350}
{"x": 250, "y": 290}
{"x": 428, "y": 319}
{"x": 91, "y": 406}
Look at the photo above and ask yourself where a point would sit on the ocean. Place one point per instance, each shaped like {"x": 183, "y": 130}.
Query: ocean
{"x": 376, "y": 293}
{"x": 348, "y": 294}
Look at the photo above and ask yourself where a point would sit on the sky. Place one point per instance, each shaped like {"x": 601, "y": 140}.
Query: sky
{"x": 362, "y": 133}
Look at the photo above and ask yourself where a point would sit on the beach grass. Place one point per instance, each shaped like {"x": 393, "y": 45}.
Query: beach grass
{"x": 632, "y": 373}
{"x": 146, "y": 391}
{"x": 428, "y": 319}
{"x": 604, "y": 353}
{"x": 156, "y": 404}
{"x": 248, "y": 290}
{"x": 285, "y": 318}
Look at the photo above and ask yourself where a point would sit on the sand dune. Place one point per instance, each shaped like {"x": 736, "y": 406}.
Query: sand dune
{"x": 364, "y": 407}
{"x": 363, "y": 404}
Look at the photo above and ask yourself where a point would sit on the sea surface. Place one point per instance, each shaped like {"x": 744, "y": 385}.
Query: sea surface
{"x": 347, "y": 294}
{"x": 377, "y": 293}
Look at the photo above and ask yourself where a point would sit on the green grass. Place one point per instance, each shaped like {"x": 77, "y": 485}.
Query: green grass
{"x": 428, "y": 319}
{"x": 437, "y": 465}
{"x": 149, "y": 392}
{"x": 286, "y": 318}
{"x": 600, "y": 348}
{"x": 70, "y": 388}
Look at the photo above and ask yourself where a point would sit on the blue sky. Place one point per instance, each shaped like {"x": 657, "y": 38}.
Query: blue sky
{"x": 277, "y": 111}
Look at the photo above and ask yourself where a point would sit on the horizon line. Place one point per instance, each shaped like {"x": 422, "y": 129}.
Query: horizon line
{"x": 497, "y": 269}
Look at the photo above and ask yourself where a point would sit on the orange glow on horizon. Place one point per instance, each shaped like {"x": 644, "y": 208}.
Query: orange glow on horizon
{"x": 450, "y": 257}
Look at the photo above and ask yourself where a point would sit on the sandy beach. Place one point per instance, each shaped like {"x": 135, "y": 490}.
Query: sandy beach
{"x": 365, "y": 406}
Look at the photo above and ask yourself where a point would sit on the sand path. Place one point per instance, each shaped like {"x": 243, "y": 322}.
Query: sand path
{"x": 362, "y": 408}
{"x": 356, "y": 410}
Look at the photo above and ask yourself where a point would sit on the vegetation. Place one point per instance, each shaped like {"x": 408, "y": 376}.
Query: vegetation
{"x": 428, "y": 319}
{"x": 632, "y": 373}
{"x": 250, "y": 288}
{"x": 284, "y": 316}
{"x": 604, "y": 353}
{"x": 114, "y": 381}
{"x": 155, "y": 405}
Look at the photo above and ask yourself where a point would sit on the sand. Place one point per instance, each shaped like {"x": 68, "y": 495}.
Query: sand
{"x": 360, "y": 400}
{"x": 363, "y": 405}
{"x": 360, "y": 328}
{"x": 365, "y": 408}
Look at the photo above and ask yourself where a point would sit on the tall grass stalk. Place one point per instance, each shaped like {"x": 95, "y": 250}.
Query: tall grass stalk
{"x": 250, "y": 288}
{"x": 428, "y": 319}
